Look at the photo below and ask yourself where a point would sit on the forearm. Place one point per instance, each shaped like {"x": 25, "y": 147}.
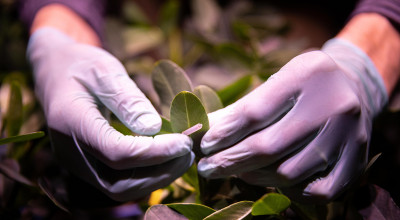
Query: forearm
{"x": 378, "y": 38}
{"x": 73, "y": 13}
{"x": 66, "y": 20}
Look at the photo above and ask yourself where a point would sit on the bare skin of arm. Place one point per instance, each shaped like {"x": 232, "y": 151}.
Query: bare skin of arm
{"x": 375, "y": 35}
{"x": 66, "y": 20}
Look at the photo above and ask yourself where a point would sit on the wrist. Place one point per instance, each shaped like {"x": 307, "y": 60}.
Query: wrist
{"x": 375, "y": 36}
{"x": 67, "y": 21}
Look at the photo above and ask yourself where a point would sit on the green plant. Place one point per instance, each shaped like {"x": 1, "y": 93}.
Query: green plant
{"x": 188, "y": 111}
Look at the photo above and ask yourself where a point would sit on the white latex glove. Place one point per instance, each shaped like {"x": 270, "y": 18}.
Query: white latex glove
{"x": 75, "y": 82}
{"x": 307, "y": 127}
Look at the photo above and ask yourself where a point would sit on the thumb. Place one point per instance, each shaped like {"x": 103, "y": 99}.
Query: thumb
{"x": 107, "y": 79}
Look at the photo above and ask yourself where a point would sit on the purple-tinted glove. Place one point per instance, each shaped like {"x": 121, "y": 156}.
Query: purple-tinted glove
{"x": 308, "y": 126}
{"x": 75, "y": 83}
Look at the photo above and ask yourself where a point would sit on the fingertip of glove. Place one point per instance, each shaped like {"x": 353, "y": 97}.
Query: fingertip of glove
{"x": 205, "y": 169}
{"x": 147, "y": 124}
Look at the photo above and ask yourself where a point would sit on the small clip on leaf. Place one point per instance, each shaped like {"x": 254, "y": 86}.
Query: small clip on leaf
{"x": 192, "y": 129}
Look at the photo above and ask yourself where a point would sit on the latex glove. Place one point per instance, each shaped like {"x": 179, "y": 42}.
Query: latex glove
{"x": 309, "y": 125}
{"x": 75, "y": 82}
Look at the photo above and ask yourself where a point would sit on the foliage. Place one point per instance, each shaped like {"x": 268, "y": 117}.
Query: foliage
{"x": 221, "y": 54}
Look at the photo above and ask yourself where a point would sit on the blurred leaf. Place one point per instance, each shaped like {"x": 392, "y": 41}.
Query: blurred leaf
{"x": 14, "y": 112}
{"x": 156, "y": 197}
{"x": 23, "y": 137}
{"x": 169, "y": 16}
{"x": 206, "y": 15}
{"x": 13, "y": 173}
{"x": 49, "y": 190}
{"x": 187, "y": 111}
{"x": 239, "y": 210}
{"x": 140, "y": 39}
{"x": 234, "y": 91}
{"x": 168, "y": 80}
{"x": 134, "y": 14}
{"x": 191, "y": 177}
{"x": 192, "y": 211}
{"x": 175, "y": 47}
{"x": 235, "y": 52}
{"x": 242, "y": 30}
{"x": 372, "y": 161}
{"x": 208, "y": 97}
{"x": 157, "y": 212}
{"x": 271, "y": 204}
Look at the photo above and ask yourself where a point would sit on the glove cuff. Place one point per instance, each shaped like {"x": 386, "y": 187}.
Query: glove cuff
{"x": 360, "y": 68}
{"x": 44, "y": 39}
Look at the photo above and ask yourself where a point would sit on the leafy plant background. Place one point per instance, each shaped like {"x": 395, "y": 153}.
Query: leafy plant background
{"x": 231, "y": 47}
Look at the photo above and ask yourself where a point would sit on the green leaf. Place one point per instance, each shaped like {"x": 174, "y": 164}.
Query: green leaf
{"x": 187, "y": 111}
{"x": 192, "y": 211}
{"x": 168, "y": 80}
{"x": 192, "y": 178}
{"x": 239, "y": 210}
{"x": 165, "y": 127}
{"x": 208, "y": 97}
{"x": 271, "y": 204}
{"x": 14, "y": 112}
{"x": 158, "y": 212}
{"x": 21, "y": 138}
{"x": 120, "y": 127}
{"x": 234, "y": 91}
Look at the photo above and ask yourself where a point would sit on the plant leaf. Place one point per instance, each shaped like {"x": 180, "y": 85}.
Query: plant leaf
{"x": 13, "y": 172}
{"x": 209, "y": 98}
{"x": 158, "y": 212}
{"x": 49, "y": 190}
{"x": 271, "y": 204}
{"x": 168, "y": 80}
{"x": 234, "y": 91}
{"x": 192, "y": 211}
{"x": 14, "y": 112}
{"x": 187, "y": 111}
{"x": 165, "y": 127}
{"x": 239, "y": 210}
{"x": 23, "y": 137}
{"x": 191, "y": 177}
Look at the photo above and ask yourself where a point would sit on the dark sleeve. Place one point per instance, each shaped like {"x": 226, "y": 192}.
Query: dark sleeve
{"x": 388, "y": 8}
{"x": 90, "y": 10}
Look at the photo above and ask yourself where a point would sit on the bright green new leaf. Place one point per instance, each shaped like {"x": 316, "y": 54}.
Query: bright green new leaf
{"x": 21, "y": 138}
{"x": 187, "y": 111}
{"x": 208, "y": 97}
{"x": 236, "y": 211}
{"x": 271, "y": 204}
{"x": 234, "y": 91}
{"x": 168, "y": 80}
{"x": 192, "y": 211}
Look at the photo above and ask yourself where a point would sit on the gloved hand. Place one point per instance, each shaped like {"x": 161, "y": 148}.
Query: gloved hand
{"x": 308, "y": 126}
{"x": 75, "y": 83}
